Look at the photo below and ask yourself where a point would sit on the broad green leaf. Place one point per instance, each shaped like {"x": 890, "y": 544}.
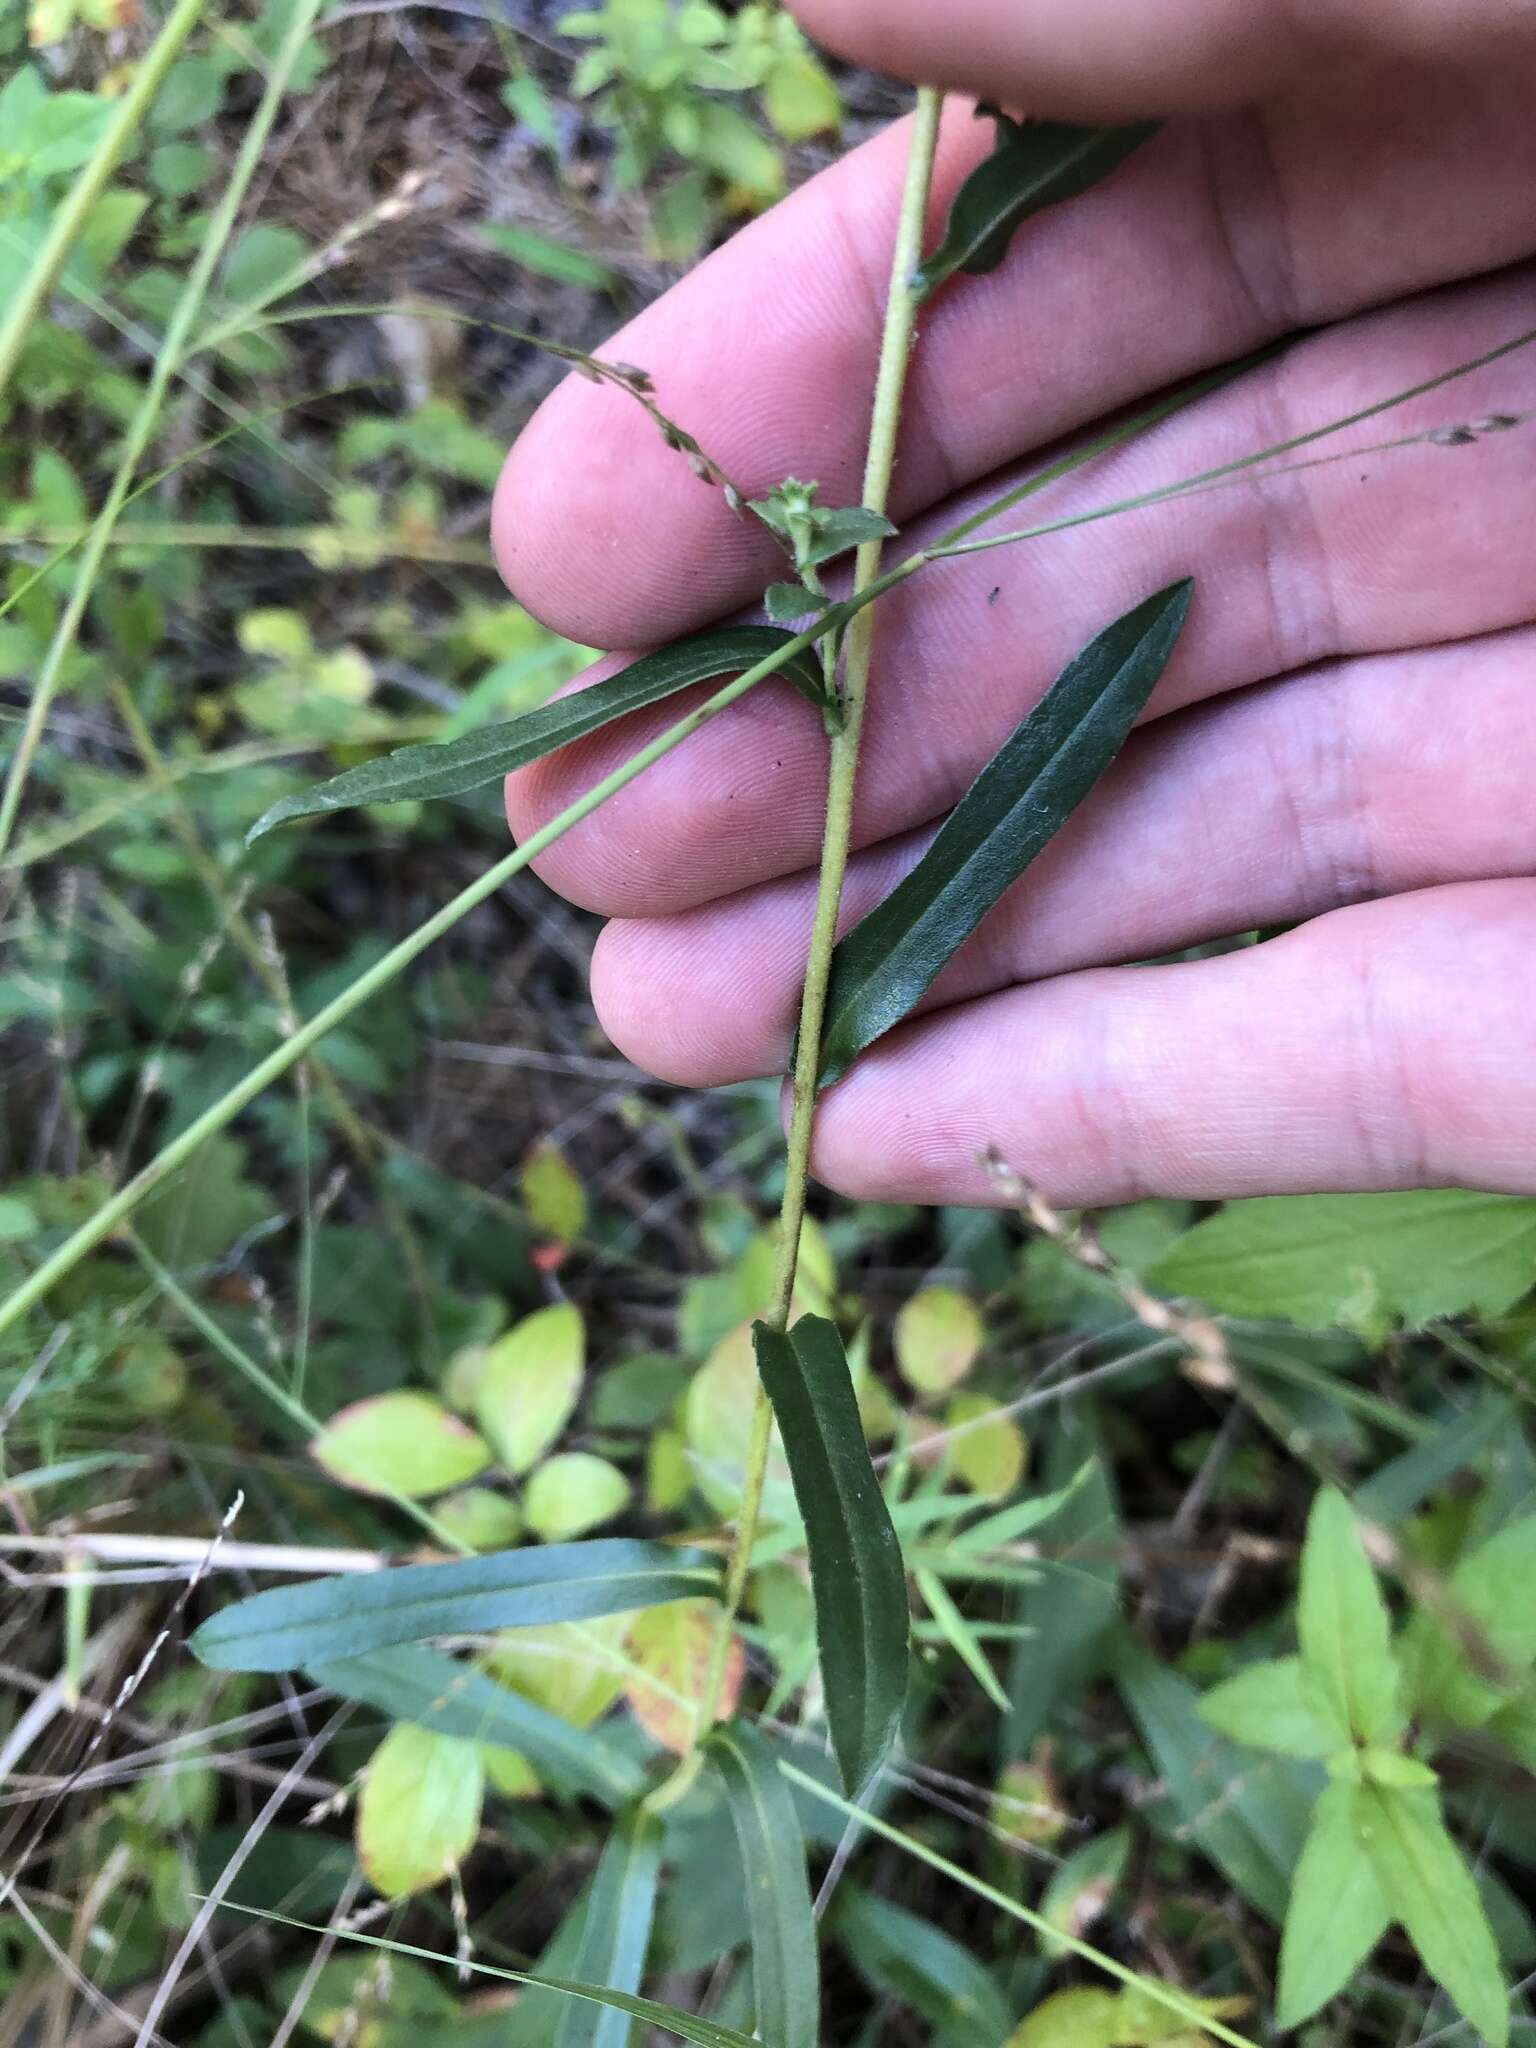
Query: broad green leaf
{"x": 1034, "y": 165}
{"x": 573, "y": 1493}
{"x": 420, "y": 1809}
{"x": 403, "y": 1443}
{"x": 1515, "y": 1727}
{"x": 458, "y": 766}
{"x": 423, "y": 1686}
{"x": 670, "y": 1650}
{"x": 1271, "y": 1706}
{"x": 1321, "y": 1260}
{"x": 862, "y": 1618}
{"x": 1337, "y": 1912}
{"x": 1345, "y": 1630}
{"x": 617, "y": 1930}
{"x": 1428, "y": 1887}
{"x": 529, "y": 1384}
{"x": 906, "y": 1958}
{"x": 1017, "y": 804}
{"x": 785, "y": 1965}
{"x": 937, "y": 1338}
{"x": 325, "y": 1619}
{"x": 1249, "y": 1815}
{"x": 1465, "y": 1662}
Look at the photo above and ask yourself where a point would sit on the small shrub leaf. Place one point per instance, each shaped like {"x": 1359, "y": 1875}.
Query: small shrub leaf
{"x": 458, "y": 766}
{"x": 785, "y": 1966}
{"x": 670, "y": 1650}
{"x": 420, "y": 1809}
{"x": 1337, "y": 1912}
{"x": 1487, "y": 1602}
{"x": 1345, "y": 1630}
{"x": 1428, "y": 1887}
{"x": 530, "y": 1382}
{"x": 858, "y": 1579}
{"x": 1017, "y": 804}
{"x": 1271, "y": 1706}
{"x": 349, "y": 1615}
{"x": 411, "y": 1683}
{"x": 1034, "y": 165}
{"x": 405, "y": 1443}
{"x": 616, "y": 1932}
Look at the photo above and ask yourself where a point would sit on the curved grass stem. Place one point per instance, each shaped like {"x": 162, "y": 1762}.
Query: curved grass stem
{"x": 890, "y": 383}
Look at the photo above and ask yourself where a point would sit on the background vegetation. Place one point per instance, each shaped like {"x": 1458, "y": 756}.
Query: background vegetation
{"x": 468, "y": 1281}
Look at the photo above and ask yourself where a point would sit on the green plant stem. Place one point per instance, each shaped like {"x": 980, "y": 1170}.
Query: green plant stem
{"x": 146, "y": 417}
{"x": 70, "y": 218}
{"x": 842, "y": 771}
{"x": 385, "y": 970}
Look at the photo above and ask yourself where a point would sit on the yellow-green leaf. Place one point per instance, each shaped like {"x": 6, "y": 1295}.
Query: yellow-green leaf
{"x": 553, "y": 1194}
{"x": 670, "y": 1650}
{"x": 405, "y": 1443}
{"x": 420, "y": 1809}
{"x": 938, "y": 1337}
{"x": 573, "y": 1493}
{"x": 529, "y": 1383}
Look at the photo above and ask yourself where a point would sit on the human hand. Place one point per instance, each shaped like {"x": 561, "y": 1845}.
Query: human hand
{"x": 1346, "y": 735}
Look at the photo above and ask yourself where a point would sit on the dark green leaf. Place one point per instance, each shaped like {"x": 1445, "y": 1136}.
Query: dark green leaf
{"x": 410, "y": 1683}
{"x": 1344, "y": 1627}
{"x": 1249, "y": 1814}
{"x": 1270, "y": 1706}
{"x": 785, "y": 1968}
{"x": 617, "y": 1930}
{"x": 1017, "y": 804}
{"x": 1033, "y": 166}
{"x": 906, "y": 1958}
{"x": 1337, "y": 1913}
{"x": 481, "y": 757}
{"x": 1395, "y": 1489}
{"x": 857, "y": 1576}
{"x": 1428, "y": 1887}
{"x": 327, "y": 1619}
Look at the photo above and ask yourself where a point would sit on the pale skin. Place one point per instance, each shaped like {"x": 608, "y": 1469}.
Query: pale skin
{"x": 1346, "y": 738}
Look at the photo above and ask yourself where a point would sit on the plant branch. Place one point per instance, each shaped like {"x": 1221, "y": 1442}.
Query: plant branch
{"x": 890, "y": 383}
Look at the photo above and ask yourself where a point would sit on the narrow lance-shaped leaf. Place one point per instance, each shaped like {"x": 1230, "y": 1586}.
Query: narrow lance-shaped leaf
{"x": 1337, "y": 1913}
{"x": 1345, "y": 1630}
{"x": 347, "y": 1616}
{"x": 466, "y": 764}
{"x": 1428, "y": 1887}
{"x": 785, "y": 1966}
{"x": 1017, "y": 804}
{"x": 411, "y": 1683}
{"x": 858, "y": 1580}
{"x": 621, "y": 1908}
{"x": 1034, "y": 165}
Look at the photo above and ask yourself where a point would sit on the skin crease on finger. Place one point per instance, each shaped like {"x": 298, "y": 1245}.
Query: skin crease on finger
{"x": 1384, "y": 1046}
{"x": 1272, "y": 805}
{"x": 1422, "y": 544}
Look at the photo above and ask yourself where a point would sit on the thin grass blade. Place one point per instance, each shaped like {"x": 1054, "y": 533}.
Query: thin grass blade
{"x": 621, "y": 1910}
